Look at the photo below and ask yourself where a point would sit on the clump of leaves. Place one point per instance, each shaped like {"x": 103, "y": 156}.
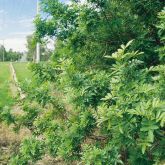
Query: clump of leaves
{"x": 161, "y": 33}
{"x": 31, "y": 150}
{"x": 133, "y": 112}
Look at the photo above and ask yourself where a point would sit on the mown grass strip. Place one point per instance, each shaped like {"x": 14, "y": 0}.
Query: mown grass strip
{"x": 22, "y": 71}
{"x": 6, "y": 98}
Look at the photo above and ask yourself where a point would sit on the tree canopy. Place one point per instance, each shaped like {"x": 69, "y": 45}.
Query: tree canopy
{"x": 9, "y": 55}
{"x": 31, "y": 49}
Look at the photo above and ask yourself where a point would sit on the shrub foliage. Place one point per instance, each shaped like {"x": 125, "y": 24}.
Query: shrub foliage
{"x": 89, "y": 105}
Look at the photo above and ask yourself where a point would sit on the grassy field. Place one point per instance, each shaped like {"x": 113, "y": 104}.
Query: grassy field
{"x": 5, "y": 90}
{"x": 22, "y": 71}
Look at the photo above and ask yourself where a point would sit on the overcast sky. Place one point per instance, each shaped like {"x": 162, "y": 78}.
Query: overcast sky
{"x": 16, "y": 22}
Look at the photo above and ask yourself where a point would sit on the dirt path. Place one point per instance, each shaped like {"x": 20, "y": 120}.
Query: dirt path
{"x": 15, "y": 82}
{"x": 15, "y": 89}
{"x": 12, "y": 84}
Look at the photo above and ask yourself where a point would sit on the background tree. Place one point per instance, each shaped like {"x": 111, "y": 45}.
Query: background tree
{"x": 31, "y": 49}
{"x": 98, "y": 28}
{"x": 2, "y": 52}
{"x": 9, "y": 55}
{"x": 13, "y": 55}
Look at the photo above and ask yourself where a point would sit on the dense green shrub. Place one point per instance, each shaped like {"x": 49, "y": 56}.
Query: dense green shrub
{"x": 31, "y": 150}
{"x": 125, "y": 126}
{"x": 90, "y": 105}
{"x": 161, "y": 33}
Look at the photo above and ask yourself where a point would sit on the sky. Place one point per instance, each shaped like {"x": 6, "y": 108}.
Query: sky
{"x": 16, "y": 22}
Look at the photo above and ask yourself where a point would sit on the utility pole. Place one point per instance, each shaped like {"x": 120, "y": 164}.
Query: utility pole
{"x": 38, "y": 44}
{"x": 3, "y": 51}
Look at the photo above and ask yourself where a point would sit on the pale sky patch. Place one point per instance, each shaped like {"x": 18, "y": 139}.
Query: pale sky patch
{"x": 26, "y": 22}
{"x": 16, "y": 22}
{"x": 17, "y": 44}
{"x": 2, "y": 11}
{"x": 20, "y": 34}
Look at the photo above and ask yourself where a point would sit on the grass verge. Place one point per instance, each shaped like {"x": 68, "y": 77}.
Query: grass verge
{"x": 5, "y": 91}
{"x": 22, "y": 71}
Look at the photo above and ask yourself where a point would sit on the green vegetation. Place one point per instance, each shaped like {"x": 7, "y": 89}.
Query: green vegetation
{"x": 9, "y": 55}
{"x": 9, "y": 140}
{"x": 100, "y": 100}
{"x": 45, "y": 52}
{"x": 5, "y": 89}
